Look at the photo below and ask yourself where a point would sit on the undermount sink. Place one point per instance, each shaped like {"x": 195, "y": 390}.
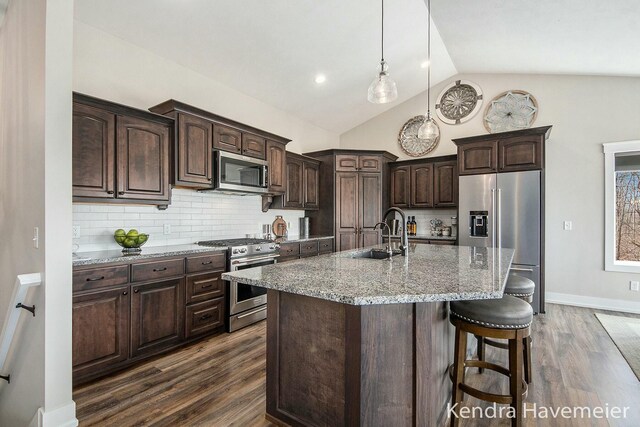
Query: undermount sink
{"x": 375, "y": 254}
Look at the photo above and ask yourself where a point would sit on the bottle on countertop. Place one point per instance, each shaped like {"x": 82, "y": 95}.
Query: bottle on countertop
{"x": 411, "y": 226}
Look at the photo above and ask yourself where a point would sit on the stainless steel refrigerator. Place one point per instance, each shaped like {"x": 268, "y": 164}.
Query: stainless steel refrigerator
{"x": 505, "y": 210}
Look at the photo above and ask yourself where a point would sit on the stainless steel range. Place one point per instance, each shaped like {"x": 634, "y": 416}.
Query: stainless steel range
{"x": 245, "y": 304}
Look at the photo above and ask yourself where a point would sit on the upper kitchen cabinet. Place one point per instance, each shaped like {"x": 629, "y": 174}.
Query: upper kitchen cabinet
{"x": 502, "y": 152}
{"x": 353, "y": 196}
{"x": 424, "y": 183}
{"x": 302, "y": 184}
{"x": 199, "y": 132}
{"x": 120, "y": 154}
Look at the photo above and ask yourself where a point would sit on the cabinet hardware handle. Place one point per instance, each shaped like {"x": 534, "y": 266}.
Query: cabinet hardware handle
{"x": 135, "y": 291}
{"x": 94, "y": 279}
{"x": 121, "y": 192}
{"x": 125, "y": 293}
{"x": 205, "y": 316}
{"x": 160, "y": 269}
{"x": 110, "y": 192}
{"x": 207, "y": 263}
{"x": 206, "y": 286}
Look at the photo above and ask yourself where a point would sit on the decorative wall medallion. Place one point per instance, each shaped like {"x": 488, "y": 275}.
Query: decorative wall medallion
{"x": 511, "y": 110}
{"x": 409, "y": 141}
{"x": 459, "y": 102}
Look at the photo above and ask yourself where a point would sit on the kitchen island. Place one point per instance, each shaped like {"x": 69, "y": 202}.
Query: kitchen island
{"x": 357, "y": 341}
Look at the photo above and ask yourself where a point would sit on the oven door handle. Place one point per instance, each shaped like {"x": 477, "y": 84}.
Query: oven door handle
{"x": 247, "y": 261}
{"x": 251, "y": 313}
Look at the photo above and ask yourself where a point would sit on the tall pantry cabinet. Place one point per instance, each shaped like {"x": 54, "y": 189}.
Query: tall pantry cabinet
{"x": 353, "y": 197}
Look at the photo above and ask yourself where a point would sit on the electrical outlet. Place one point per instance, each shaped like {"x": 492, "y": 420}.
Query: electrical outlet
{"x": 76, "y": 232}
{"x": 167, "y": 229}
{"x": 36, "y": 237}
{"x": 567, "y": 225}
{"x": 634, "y": 285}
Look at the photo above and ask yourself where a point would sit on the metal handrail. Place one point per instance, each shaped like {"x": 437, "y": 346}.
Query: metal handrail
{"x": 23, "y": 283}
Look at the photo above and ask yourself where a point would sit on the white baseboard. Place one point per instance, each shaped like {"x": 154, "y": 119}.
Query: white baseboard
{"x": 593, "y": 302}
{"x": 64, "y": 416}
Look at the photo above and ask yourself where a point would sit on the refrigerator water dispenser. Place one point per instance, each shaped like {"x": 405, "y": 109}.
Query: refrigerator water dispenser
{"x": 478, "y": 226}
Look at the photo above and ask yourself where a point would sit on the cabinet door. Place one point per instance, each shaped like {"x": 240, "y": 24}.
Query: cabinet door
{"x": 400, "y": 187}
{"x": 478, "y": 158}
{"x": 370, "y": 209}
{"x": 370, "y": 163}
{"x": 445, "y": 188}
{"x": 422, "y": 186}
{"x": 227, "y": 139}
{"x": 311, "y": 183}
{"x": 276, "y": 157}
{"x": 100, "y": 330}
{"x": 253, "y": 146}
{"x": 193, "y": 153}
{"x": 346, "y": 163}
{"x": 143, "y": 159}
{"x": 93, "y": 144}
{"x": 347, "y": 221}
{"x": 520, "y": 153}
{"x": 157, "y": 316}
{"x": 294, "y": 196}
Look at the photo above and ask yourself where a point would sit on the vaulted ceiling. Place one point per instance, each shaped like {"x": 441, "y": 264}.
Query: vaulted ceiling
{"x": 273, "y": 50}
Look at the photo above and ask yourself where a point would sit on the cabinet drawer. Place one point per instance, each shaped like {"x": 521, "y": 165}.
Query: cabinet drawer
{"x": 203, "y": 287}
{"x": 157, "y": 270}
{"x": 206, "y": 262}
{"x": 204, "y": 317}
{"x": 100, "y": 277}
{"x": 309, "y": 248}
{"x": 325, "y": 246}
{"x": 289, "y": 249}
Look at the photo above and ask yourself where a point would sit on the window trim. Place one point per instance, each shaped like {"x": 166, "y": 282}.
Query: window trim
{"x": 610, "y": 150}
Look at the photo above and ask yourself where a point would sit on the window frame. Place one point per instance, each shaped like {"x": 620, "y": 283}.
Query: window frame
{"x": 610, "y": 150}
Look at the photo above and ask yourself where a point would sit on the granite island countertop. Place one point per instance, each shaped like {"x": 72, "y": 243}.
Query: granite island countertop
{"x": 429, "y": 273}
{"x": 148, "y": 252}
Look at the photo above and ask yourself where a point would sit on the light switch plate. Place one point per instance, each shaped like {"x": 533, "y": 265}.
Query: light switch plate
{"x": 567, "y": 225}
{"x": 634, "y": 285}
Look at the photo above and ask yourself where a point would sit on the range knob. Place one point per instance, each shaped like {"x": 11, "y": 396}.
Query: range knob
{"x": 235, "y": 251}
{"x": 272, "y": 246}
{"x": 243, "y": 250}
{"x": 258, "y": 248}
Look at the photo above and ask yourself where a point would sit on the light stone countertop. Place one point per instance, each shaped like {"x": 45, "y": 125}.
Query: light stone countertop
{"x": 150, "y": 252}
{"x": 428, "y": 273}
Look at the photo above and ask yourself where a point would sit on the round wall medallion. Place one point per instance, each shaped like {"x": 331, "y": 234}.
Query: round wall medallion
{"x": 409, "y": 141}
{"x": 511, "y": 110}
{"x": 459, "y": 102}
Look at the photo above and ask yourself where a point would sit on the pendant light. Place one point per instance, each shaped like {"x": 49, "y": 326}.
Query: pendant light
{"x": 383, "y": 89}
{"x": 429, "y": 129}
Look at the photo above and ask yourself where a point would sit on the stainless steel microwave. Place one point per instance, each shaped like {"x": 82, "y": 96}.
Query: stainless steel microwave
{"x": 239, "y": 174}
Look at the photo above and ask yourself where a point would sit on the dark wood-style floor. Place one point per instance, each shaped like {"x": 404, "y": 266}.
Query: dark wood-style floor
{"x": 221, "y": 381}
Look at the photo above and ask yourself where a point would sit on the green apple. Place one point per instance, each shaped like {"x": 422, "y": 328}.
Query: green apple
{"x": 119, "y": 232}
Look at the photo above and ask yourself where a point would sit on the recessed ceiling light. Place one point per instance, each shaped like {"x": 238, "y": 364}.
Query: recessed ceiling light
{"x": 424, "y": 64}
{"x": 321, "y": 78}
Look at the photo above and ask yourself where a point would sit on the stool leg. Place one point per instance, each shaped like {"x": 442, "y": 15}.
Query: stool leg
{"x": 458, "y": 372}
{"x": 526, "y": 345}
{"x": 480, "y": 351}
{"x": 515, "y": 378}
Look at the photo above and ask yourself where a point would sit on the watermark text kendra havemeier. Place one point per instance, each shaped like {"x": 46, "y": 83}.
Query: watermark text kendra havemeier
{"x": 535, "y": 411}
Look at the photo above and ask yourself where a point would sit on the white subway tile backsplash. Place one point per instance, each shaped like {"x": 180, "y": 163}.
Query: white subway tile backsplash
{"x": 193, "y": 216}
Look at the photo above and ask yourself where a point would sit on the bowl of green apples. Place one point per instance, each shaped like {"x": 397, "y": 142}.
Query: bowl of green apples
{"x": 131, "y": 241}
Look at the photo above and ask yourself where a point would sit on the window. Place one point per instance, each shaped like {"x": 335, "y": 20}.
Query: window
{"x": 622, "y": 206}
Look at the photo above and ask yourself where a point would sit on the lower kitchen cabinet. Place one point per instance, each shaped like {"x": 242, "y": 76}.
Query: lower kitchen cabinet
{"x": 125, "y": 313}
{"x": 100, "y": 330}
{"x": 157, "y": 319}
{"x": 290, "y": 251}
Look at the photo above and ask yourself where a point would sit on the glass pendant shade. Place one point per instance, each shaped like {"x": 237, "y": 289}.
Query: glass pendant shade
{"x": 383, "y": 89}
{"x": 429, "y": 130}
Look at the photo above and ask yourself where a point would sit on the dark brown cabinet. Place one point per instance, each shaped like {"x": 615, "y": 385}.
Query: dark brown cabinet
{"x": 290, "y": 251}
{"x": 157, "y": 318}
{"x": 302, "y": 184}
{"x": 429, "y": 183}
{"x": 120, "y": 154}
{"x": 227, "y": 139}
{"x": 192, "y": 159}
{"x": 354, "y": 196}
{"x": 254, "y": 146}
{"x": 100, "y": 330}
{"x": 502, "y": 152}
{"x": 276, "y": 157}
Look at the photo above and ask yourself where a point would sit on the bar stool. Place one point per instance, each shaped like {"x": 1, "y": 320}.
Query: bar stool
{"x": 506, "y": 318}
{"x": 523, "y": 288}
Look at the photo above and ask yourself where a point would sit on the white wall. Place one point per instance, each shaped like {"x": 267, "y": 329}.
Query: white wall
{"x": 35, "y": 163}
{"x": 113, "y": 69}
{"x": 584, "y": 112}
{"x": 192, "y": 216}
